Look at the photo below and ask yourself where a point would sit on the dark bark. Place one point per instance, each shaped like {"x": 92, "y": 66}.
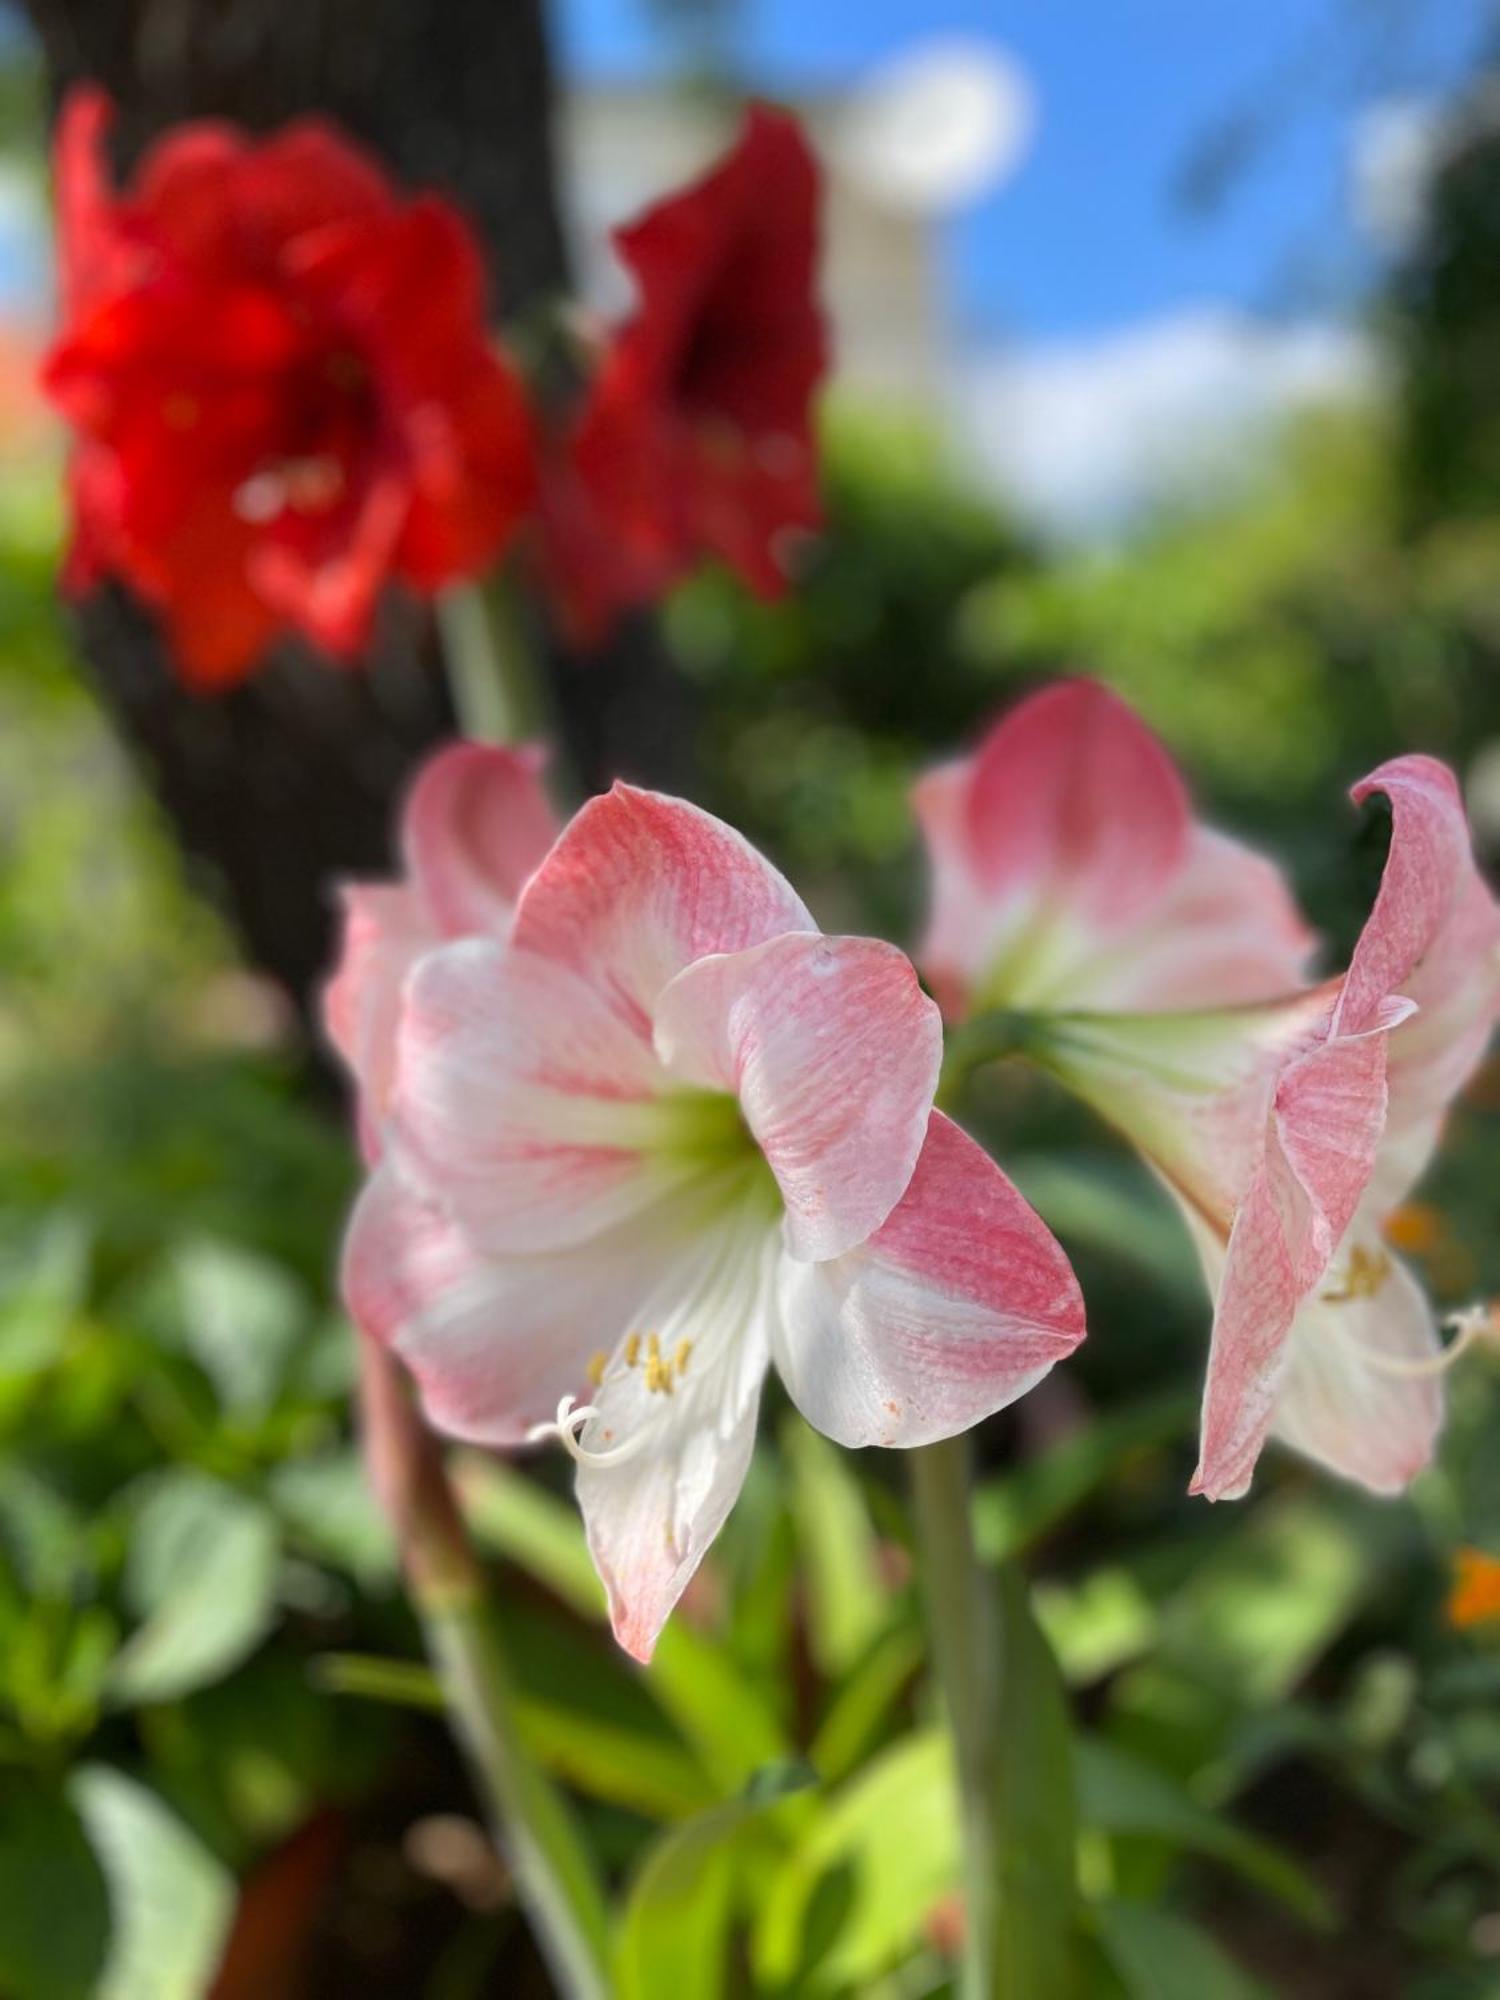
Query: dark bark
{"x": 292, "y": 781}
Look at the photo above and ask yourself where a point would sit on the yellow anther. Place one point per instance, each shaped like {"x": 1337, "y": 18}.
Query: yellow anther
{"x": 681, "y": 1355}
{"x": 596, "y": 1367}
{"x": 653, "y": 1347}
{"x": 632, "y": 1350}
{"x": 1364, "y": 1276}
{"x": 658, "y": 1374}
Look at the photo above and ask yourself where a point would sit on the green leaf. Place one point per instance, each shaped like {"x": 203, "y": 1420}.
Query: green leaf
{"x": 201, "y": 1575}
{"x": 1097, "y": 1625}
{"x": 1036, "y": 1814}
{"x": 605, "y": 1761}
{"x": 1119, "y": 1795}
{"x": 170, "y": 1900}
{"x": 865, "y": 1701}
{"x": 1158, "y": 1956}
{"x": 846, "y": 1602}
{"x": 675, "y": 1930}
{"x": 327, "y": 1504}
{"x": 54, "y": 1916}
{"x": 879, "y": 1855}
{"x": 600, "y": 1758}
{"x": 240, "y": 1316}
{"x": 44, "y": 1278}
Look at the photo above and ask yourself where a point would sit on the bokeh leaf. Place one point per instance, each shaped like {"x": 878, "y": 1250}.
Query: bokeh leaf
{"x": 846, "y": 1604}
{"x": 170, "y": 1900}
{"x": 1036, "y": 1812}
{"x": 1120, "y": 1795}
{"x": 675, "y": 1930}
{"x": 1158, "y": 1956}
{"x": 54, "y": 1915}
{"x": 875, "y": 1861}
{"x": 201, "y": 1575}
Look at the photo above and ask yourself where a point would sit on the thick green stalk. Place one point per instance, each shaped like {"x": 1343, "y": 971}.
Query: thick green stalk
{"x": 966, "y": 1652}
{"x": 553, "y": 1873}
{"x": 491, "y": 673}
{"x": 1008, "y": 1715}
{"x": 554, "y": 1877}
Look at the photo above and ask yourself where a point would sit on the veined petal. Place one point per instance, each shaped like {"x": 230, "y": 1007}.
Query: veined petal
{"x": 961, "y": 1302}
{"x": 1062, "y": 831}
{"x": 674, "y": 1422}
{"x": 1427, "y": 870}
{"x": 1193, "y": 1091}
{"x": 524, "y": 1098}
{"x": 833, "y": 1051}
{"x": 1225, "y": 934}
{"x": 1360, "y": 1393}
{"x": 1320, "y": 1148}
{"x": 477, "y": 824}
{"x": 639, "y": 886}
{"x": 1435, "y": 934}
{"x": 386, "y": 930}
{"x": 493, "y": 1342}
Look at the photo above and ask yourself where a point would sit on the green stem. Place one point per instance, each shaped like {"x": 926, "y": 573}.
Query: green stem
{"x": 554, "y": 1876}
{"x": 987, "y": 1038}
{"x": 491, "y": 673}
{"x": 962, "y": 1617}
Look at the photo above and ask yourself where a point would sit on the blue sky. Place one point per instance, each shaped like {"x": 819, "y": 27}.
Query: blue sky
{"x": 1087, "y": 237}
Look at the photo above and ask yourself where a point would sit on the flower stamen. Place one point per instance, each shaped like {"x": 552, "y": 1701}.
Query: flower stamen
{"x": 565, "y": 1427}
{"x": 1474, "y": 1324}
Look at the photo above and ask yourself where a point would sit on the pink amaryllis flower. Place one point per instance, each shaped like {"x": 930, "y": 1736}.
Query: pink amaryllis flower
{"x": 476, "y": 824}
{"x": 1288, "y": 1128}
{"x": 1068, "y": 871}
{"x": 666, "y": 1136}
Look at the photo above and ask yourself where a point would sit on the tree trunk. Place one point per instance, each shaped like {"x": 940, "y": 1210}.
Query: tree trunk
{"x": 292, "y": 780}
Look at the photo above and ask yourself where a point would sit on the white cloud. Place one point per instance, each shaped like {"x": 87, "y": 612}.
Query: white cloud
{"x": 937, "y": 126}
{"x": 1087, "y": 436}
{"x": 1394, "y": 147}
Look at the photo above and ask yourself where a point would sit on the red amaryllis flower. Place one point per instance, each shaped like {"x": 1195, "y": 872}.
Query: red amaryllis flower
{"x": 695, "y": 437}
{"x": 281, "y": 386}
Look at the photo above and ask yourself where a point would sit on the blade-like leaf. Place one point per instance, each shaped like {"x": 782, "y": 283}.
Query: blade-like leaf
{"x": 882, "y": 1854}
{"x": 1158, "y": 1956}
{"x": 1036, "y": 1812}
{"x": 675, "y": 1932}
{"x": 846, "y": 1604}
{"x": 1120, "y": 1795}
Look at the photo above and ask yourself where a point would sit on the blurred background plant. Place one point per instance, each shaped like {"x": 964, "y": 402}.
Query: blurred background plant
{"x": 221, "y": 1768}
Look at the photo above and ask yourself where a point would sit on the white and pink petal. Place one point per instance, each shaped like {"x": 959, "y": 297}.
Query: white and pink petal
{"x": 665, "y": 1451}
{"x": 523, "y": 1098}
{"x": 957, "y": 1305}
{"x": 1363, "y": 1388}
{"x": 833, "y": 1052}
{"x": 638, "y": 886}
{"x": 476, "y": 826}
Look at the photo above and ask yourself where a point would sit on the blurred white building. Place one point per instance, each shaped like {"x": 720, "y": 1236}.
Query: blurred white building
{"x": 907, "y": 146}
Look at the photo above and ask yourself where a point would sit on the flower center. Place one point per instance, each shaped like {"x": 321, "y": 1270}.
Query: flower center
{"x": 1364, "y": 1277}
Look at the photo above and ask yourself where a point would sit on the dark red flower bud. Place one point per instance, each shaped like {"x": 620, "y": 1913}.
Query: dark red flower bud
{"x": 695, "y": 436}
